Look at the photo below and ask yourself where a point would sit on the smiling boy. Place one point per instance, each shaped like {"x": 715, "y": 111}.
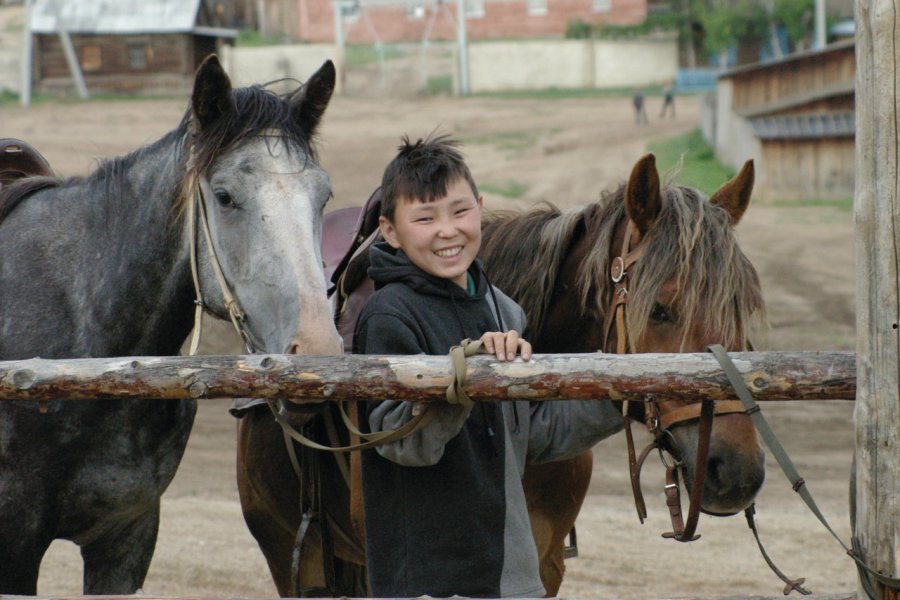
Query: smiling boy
{"x": 445, "y": 509}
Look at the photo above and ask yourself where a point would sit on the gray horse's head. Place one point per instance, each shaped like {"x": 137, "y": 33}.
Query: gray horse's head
{"x": 264, "y": 205}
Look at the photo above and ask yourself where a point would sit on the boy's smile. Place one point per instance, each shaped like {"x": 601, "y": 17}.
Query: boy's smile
{"x": 442, "y": 237}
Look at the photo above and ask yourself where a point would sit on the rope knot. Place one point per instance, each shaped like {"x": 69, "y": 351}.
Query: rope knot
{"x": 455, "y": 392}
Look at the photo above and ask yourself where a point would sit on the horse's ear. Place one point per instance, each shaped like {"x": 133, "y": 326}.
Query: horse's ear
{"x": 211, "y": 98}
{"x": 734, "y": 195}
{"x": 642, "y": 194}
{"x": 309, "y": 102}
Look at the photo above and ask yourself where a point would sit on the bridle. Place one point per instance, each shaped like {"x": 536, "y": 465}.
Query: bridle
{"x": 199, "y": 189}
{"x": 197, "y": 212}
{"x": 659, "y": 422}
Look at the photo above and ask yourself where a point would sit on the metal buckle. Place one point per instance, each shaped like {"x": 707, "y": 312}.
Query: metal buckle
{"x": 618, "y": 263}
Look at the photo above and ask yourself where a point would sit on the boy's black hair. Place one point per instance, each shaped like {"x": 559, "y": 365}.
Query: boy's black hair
{"x": 422, "y": 172}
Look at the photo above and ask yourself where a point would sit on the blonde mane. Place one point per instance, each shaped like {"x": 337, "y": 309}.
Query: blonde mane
{"x": 691, "y": 241}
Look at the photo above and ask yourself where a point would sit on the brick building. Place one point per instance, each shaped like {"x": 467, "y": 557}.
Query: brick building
{"x": 390, "y": 21}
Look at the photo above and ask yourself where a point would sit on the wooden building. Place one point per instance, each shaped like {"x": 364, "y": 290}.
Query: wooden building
{"x": 796, "y": 118}
{"x": 127, "y": 46}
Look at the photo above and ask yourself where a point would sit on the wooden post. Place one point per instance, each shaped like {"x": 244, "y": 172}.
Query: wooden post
{"x": 877, "y": 214}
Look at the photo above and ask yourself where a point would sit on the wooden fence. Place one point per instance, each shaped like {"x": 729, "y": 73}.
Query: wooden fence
{"x": 769, "y": 375}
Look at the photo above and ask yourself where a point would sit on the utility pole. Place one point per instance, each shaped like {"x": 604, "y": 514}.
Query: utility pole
{"x": 462, "y": 47}
{"x": 820, "y": 25}
{"x": 25, "y": 92}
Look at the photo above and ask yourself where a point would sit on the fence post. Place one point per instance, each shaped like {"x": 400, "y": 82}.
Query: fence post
{"x": 877, "y": 215}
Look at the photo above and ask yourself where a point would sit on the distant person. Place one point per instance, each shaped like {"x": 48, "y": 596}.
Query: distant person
{"x": 640, "y": 113}
{"x": 668, "y": 101}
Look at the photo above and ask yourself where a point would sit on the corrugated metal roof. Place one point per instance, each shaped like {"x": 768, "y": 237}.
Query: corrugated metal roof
{"x": 817, "y": 125}
{"x": 115, "y": 16}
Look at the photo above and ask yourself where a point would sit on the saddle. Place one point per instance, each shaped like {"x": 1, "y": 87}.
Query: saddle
{"x": 19, "y": 159}
{"x": 345, "y": 251}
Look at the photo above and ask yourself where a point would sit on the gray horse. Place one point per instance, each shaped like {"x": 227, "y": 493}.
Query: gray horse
{"x": 100, "y": 266}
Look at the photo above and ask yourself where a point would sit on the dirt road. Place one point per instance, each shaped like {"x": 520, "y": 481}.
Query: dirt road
{"x": 567, "y": 152}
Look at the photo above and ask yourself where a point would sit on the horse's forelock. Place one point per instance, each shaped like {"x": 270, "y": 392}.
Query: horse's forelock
{"x": 694, "y": 242}
{"x": 257, "y": 110}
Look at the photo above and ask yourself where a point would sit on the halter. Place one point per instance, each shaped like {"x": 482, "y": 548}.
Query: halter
{"x": 658, "y": 422}
{"x": 196, "y": 211}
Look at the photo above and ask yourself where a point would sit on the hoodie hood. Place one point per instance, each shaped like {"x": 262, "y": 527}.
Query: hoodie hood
{"x": 391, "y": 265}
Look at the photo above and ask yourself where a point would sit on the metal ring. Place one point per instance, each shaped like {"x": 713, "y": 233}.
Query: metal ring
{"x": 621, "y": 271}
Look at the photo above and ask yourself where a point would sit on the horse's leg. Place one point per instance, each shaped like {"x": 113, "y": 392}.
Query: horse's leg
{"x": 117, "y": 562}
{"x": 554, "y": 493}
{"x": 270, "y": 496}
{"x": 270, "y": 500}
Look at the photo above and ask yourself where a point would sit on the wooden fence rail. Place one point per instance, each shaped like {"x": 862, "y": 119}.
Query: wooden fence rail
{"x": 769, "y": 375}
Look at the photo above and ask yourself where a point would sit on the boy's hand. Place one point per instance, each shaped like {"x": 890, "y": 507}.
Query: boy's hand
{"x": 505, "y": 345}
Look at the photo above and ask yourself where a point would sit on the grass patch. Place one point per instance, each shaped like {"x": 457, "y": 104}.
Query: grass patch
{"x": 508, "y": 189}
{"x": 841, "y": 204}
{"x": 700, "y": 169}
{"x": 439, "y": 85}
{"x": 7, "y": 98}
{"x": 253, "y": 38}
{"x": 358, "y": 55}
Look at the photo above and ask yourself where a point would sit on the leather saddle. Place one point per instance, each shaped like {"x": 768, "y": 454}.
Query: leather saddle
{"x": 20, "y": 159}
{"x": 347, "y": 234}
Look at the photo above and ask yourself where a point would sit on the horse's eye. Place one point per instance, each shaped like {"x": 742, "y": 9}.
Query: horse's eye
{"x": 224, "y": 198}
{"x": 662, "y": 314}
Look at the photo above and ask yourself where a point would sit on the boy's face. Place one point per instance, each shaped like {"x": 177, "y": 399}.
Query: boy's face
{"x": 442, "y": 237}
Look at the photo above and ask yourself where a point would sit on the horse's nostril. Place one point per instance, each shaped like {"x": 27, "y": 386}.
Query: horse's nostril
{"x": 714, "y": 467}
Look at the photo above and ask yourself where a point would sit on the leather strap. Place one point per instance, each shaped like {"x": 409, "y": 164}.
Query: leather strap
{"x": 419, "y": 420}
{"x": 196, "y": 215}
{"x": 691, "y": 412}
{"x": 631, "y": 251}
{"x": 685, "y": 532}
{"x": 788, "y": 468}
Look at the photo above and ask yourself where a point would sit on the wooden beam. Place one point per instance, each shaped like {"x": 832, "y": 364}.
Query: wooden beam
{"x": 769, "y": 375}
{"x": 877, "y": 216}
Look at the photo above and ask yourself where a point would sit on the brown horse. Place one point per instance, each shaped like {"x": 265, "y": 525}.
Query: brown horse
{"x": 691, "y": 287}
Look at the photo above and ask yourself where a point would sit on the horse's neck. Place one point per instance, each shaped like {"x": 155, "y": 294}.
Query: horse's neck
{"x": 153, "y": 265}
{"x": 122, "y": 272}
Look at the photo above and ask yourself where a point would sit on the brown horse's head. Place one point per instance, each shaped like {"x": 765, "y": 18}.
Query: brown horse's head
{"x": 689, "y": 286}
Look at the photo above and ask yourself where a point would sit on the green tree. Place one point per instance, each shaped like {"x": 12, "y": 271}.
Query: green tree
{"x": 728, "y": 22}
{"x": 796, "y": 17}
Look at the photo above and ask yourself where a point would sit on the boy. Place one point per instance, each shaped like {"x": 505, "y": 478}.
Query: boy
{"x": 445, "y": 510}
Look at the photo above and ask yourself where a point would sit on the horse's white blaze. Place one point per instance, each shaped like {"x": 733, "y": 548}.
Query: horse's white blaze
{"x": 275, "y": 272}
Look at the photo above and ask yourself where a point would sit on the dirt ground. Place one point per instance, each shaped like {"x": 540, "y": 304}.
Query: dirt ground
{"x": 567, "y": 152}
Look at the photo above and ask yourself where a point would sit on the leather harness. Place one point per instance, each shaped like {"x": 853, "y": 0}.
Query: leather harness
{"x": 658, "y": 422}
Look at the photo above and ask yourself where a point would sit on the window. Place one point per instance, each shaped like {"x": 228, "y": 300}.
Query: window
{"x": 137, "y": 56}
{"x": 91, "y": 58}
{"x": 537, "y": 7}
{"x": 601, "y": 5}
{"x": 415, "y": 9}
{"x": 474, "y": 8}
{"x": 349, "y": 8}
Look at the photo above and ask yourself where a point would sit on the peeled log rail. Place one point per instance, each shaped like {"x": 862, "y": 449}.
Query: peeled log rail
{"x": 769, "y": 375}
